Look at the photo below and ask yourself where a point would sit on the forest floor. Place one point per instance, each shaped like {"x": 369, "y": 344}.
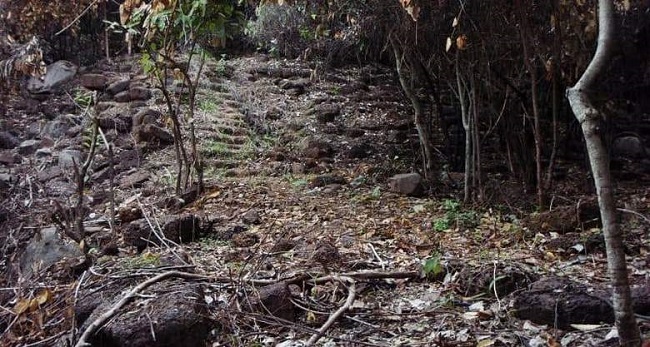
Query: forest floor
{"x": 297, "y": 193}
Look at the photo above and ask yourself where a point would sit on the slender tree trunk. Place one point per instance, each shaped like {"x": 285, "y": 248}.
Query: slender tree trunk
{"x": 424, "y": 129}
{"x": 589, "y": 119}
{"x": 466, "y": 118}
{"x": 537, "y": 134}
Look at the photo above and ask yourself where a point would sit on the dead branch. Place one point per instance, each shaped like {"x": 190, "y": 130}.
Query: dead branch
{"x": 101, "y": 320}
{"x": 335, "y": 316}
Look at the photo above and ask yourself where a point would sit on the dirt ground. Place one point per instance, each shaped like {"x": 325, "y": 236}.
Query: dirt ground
{"x": 297, "y": 166}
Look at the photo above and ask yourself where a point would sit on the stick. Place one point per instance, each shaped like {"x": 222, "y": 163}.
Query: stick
{"x": 76, "y": 19}
{"x": 101, "y": 320}
{"x": 348, "y": 302}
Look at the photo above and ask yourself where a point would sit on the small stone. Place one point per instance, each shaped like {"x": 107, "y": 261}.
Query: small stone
{"x": 58, "y": 128}
{"x": 8, "y": 140}
{"x": 124, "y": 96}
{"x": 118, "y": 86}
{"x": 317, "y": 149}
{"x": 43, "y": 153}
{"x": 298, "y": 168}
{"x": 151, "y": 132}
{"x": 8, "y": 158}
{"x": 93, "y": 81}
{"x": 324, "y": 180}
{"x": 251, "y": 217}
{"x": 28, "y": 147}
{"x": 283, "y": 245}
{"x": 134, "y": 180}
{"x": 147, "y": 116}
{"x": 69, "y": 158}
{"x": 49, "y": 174}
{"x": 139, "y": 93}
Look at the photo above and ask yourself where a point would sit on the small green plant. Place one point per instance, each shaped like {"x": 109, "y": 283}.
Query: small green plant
{"x": 296, "y": 182}
{"x": 450, "y": 205}
{"x": 216, "y": 149}
{"x": 432, "y": 266}
{"x": 220, "y": 68}
{"x": 441, "y": 224}
{"x": 209, "y": 105}
{"x": 453, "y": 217}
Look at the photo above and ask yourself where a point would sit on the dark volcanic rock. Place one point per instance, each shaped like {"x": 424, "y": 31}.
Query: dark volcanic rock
{"x": 317, "y": 149}
{"x": 93, "y": 81}
{"x": 118, "y": 86}
{"x": 156, "y": 323}
{"x": 178, "y": 228}
{"x": 560, "y": 302}
{"x": 139, "y": 93}
{"x": 8, "y": 140}
{"x": 274, "y": 299}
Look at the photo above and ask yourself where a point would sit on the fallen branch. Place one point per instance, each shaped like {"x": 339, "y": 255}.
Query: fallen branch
{"x": 335, "y": 316}
{"x": 101, "y": 320}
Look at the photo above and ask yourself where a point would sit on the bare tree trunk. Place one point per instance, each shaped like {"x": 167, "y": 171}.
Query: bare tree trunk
{"x": 466, "y": 118}
{"x": 424, "y": 130}
{"x": 537, "y": 133}
{"x": 589, "y": 119}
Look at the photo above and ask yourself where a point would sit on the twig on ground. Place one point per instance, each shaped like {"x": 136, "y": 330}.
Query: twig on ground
{"x": 381, "y": 261}
{"x": 640, "y": 215}
{"x": 352, "y": 292}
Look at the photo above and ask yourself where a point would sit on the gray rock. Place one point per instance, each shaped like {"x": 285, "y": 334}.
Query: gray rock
{"x": 122, "y": 96}
{"x": 274, "y": 299}
{"x": 147, "y": 116}
{"x": 8, "y": 158}
{"x": 45, "y": 249}
{"x": 629, "y": 147}
{"x": 300, "y": 83}
{"x": 28, "y": 147}
{"x": 407, "y": 184}
{"x": 57, "y": 74}
{"x": 59, "y": 127}
{"x": 93, "y": 81}
{"x": 139, "y": 93}
{"x": 68, "y": 158}
{"x": 152, "y": 133}
{"x": 49, "y": 174}
{"x": 251, "y": 217}
{"x": 44, "y": 152}
{"x": 8, "y": 140}
{"x": 135, "y": 179}
{"x": 118, "y": 86}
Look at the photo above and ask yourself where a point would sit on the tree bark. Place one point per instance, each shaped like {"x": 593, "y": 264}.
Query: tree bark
{"x": 424, "y": 130}
{"x": 590, "y": 119}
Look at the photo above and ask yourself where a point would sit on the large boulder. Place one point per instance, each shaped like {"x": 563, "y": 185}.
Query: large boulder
{"x": 177, "y": 316}
{"x": 629, "y": 147}
{"x": 407, "y": 184}
{"x": 45, "y": 249}
{"x": 57, "y": 74}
